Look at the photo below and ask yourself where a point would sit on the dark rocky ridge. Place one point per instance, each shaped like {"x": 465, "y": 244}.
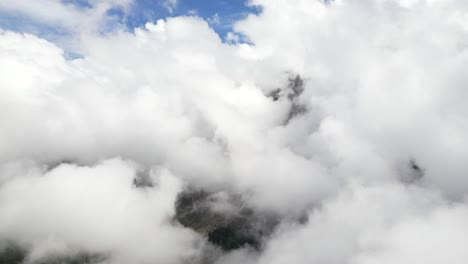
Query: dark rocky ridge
{"x": 14, "y": 254}
{"x": 292, "y": 91}
{"x": 223, "y": 219}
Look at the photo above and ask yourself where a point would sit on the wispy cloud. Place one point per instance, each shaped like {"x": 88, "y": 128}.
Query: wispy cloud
{"x": 170, "y": 5}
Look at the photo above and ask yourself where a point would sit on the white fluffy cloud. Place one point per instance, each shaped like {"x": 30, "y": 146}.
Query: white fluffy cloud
{"x": 95, "y": 209}
{"x": 376, "y": 160}
{"x": 385, "y": 224}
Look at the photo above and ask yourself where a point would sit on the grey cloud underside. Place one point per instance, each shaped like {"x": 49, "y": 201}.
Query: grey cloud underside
{"x": 337, "y": 136}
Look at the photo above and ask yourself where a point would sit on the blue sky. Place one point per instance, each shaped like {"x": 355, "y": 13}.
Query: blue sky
{"x": 227, "y": 11}
{"x": 221, "y": 14}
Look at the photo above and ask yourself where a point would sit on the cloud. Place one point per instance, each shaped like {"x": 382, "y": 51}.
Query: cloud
{"x": 65, "y": 22}
{"x": 346, "y": 120}
{"x": 72, "y": 17}
{"x": 95, "y": 209}
{"x": 170, "y": 5}
{"x": 381, "y": 224}
{"x": 214, "y": 19}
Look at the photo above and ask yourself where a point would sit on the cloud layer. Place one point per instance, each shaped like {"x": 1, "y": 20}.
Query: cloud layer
{"x": 372, "y": 160}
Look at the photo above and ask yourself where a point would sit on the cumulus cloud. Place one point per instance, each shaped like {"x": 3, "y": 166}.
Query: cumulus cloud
{"x": 95, "y": 209}
{"x": 345, "y": 120}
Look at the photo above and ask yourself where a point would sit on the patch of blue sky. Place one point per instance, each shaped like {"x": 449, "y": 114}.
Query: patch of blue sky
{"x": 79, "y": 3}
{"x": 220, "y": 14}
